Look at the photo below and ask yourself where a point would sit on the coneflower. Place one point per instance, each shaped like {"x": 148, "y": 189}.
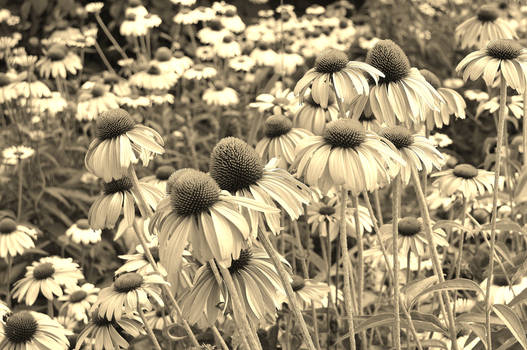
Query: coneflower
{"x": 465, "y": 179}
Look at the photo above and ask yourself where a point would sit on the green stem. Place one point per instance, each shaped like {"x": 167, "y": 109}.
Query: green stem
{"x": 50, "y": 308}
{"x": 110, "y": 36}
{"x": 8, "y": 279}
{"x": 219, "y": 338}
{"x": 524, "y": 128}
{"x": 103, "y": 57}
{"x": 148, "y": 329}
{"x": 396, "y": 203}
{"x": 20, "y": 179}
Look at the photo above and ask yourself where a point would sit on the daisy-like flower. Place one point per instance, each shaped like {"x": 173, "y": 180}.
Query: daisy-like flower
{"x": 15, "y": 238}
{"x": 485, "y": 26}
{"x": 95, "y": 99}
{"x": 58, "y": 62}
{"x": 440, "y": 140}
{"x": 501, "y": 58}
{"x": 138, "y": 262}
{"x": 205, "y": 53}
{"x": 237, "y": 168}
{"x": 242, "y": 63}
{"x": 154, "y": 78}
{"x": 334, "y": 67}
{"x": 465, "y": 179}
{"x": 30, "y": 330}
{"x": 176, "y": 62}
{"x": 51, "y": 105}
{"x": 313, "y": 117}
{"x": 500, "y": 290}
{"x": 128, "y": 292}
{"x": 416, "y": 150}
{"x": 231, "y": 21}
{"x": 105, "y": 334}
{"x": 213, "y": 33}
{"x": 133, "y": 25}
{"x": 220, "y": 95}
{"x": 288, "y": 62}
{"x": 159, "y": 318}
{"x": 78, "y": 301}
{"x": 160, "y": 178}
{"x": 280, "y": 140}
{"x": 308, "y": 292}
{"x": 263, "y": 55}
{"x": 227, "y": 47}
{"x": 186, "y": 16}
{"x": 200, "y": 71}
{"x": 12, "y": 155}
{"x": 453, "y": 103}
{"x": 279, "y": 101}
{"x": 118, "y": 143}
{"x": 94, "y": 7}
{"x": 81, "y": 233}
{"x": 7, "y": 92}
{"x": 46, "y": 276}
{"x": 402, "y": 92}
{"x": 346, "y": 155}
{"x": 31, "y": 87}
{"x": 514, "y": 104}
{"x": 260, "y": 289}
{"x": 184, "y": 2}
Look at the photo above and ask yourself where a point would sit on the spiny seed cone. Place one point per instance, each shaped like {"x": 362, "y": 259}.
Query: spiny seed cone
{"x": 242, "y": 262}
{"x": 327, "y": 210}
{"x": 345, "y": 133}
{"x": 215, "y": 24}
{"x": 409, "y": 226}
{"x": 113, "y": 123}
{"x": 128, "y": 282}
{"x": 488, "y": 13}
{"x": 234, "y": 164}
{"x": 431, "y": 78}
{"x": 366, "y": 117}
{"x": 111, "y": 79}
{"x": 504, "y": 49}
{"x": 298, "y": 283}
{"x": 192, "y": 192}
{"x": 57, "y": 52}
{"x": 481, "y": 215}
{"x": 230, "y": 13}
{"x": 4, "y": 79}
{"x": 465, "y": 171}
{"x": 120, "y": 185}
{"x": 7, "y": 225}
{"x": 20, "y": 327}
{"x": 219, "y": 85}
{"x": 277, "y": 125}
{"x": 164, "y": 172}
{"x": 83, "y": 224}
{"x": 179, "y": 54}
{"x": 154, "y": 70}
{"x": 98, "y": 90}
{"x": 43, "y": 271}
{"x": 343, "y": 24}
{"x": 500, "y": 279}
{"x": 331, "y": 61}
{"x": 398, "y": 135}
{"x": 163, "y": 54}
{"x": 78, "y": 295}
{"x": 228, "y": 39}
{"x": 390, "y": 59}
{"x": 263, "y": 46}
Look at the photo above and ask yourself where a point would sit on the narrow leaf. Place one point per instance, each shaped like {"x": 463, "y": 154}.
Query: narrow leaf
{"x": 512, "y": 322}
{"x": 459, "y": 283}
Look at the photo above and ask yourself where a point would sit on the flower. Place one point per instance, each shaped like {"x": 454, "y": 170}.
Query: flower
{"x": 485, "y": 26}
{"x": 313, "y": 117}
{"x": 279, "y": 101}
{"x": 30, "y": 330}
{"x": 237, "y": 168}
{"x": 94, "y": 7}
{"x": 242, "y": 63}
{"x": 154, "y": 78}
{"x": 81, "y": 233}
{"x": 58, "y": 62}
{"x": 263, "y": 55}
{"x": 500, "y": 290}
{"x": 308, "y": 292}
{"x": 78, "y": 300}
{"x": 231, "y": 21}
{"x": 46, "y": 276}
{"x": 227, "y": 47}
{"x": 333, "y": 66}
{"x": 15, "y": 238}
{"x": 402, "y": 91}
{"x": 134, "y": 24}
{"x": 31, "y": 87}
{"x": 464, "y": 179}
{"x": 501, "y": 58}
{"x": 118, "y": 141}
{"x": 12, "y": 155}
{"x": 345, "y": 155}
{"x": 220, "y": 95}
{"x": 160, "y": 178}
{"x": 440, "y": 140}
{"x": 200, "y": 71}
{"x": 178, "y": 63}
{"x": 514, "y": 104}
{"x": 94, "y": 99}
{"x": 138, "y": 262}
{"x": 53, "y": 104}
{"x": 280, "y": 140}
{"x": 7, "y": 93}
{"x": 213, "y": 33}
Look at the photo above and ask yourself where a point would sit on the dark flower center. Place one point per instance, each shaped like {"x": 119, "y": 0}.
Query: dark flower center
{"x": 465, "y": 171}
{"x": 500, "y": 279}
{"x": 43, "y": 271}
{"x": 130, "y": 17}
{"x": 111, "y": 79}
{"x": 128, "y": 282}
{"x": 481, "y": 215}
{"x": 120, "y": 185}
{"x": 113, "y": 123}
{"x": 83, "y": 224}
{"x": 345, "y": 133}
{"x": 431, "y": 78}
{"x": 163, "y": 54}
{"x": 343, "y": 24}
{"x": 366, "y": 118}
{"x": 78, "y": 295}
{"x": 219, "y": 85}
{"x": 242, "y": 262}
{"x": 4, "y": 79}
{"x": 7, "y": 225}
{"x": 228, "y": 39}
{"x": 164, "y": 172}
{"x": 487, "y": 13}
{"x": 179, "y": 54}
{"x": 409, "y": 226}
{"x": 215, "y": 25}
{"x": 298, "y": 283}
{"x": 504, "y": 49}
{"x": 154, "y": 70}
{"x": 98, "y": 90}
{"x": 331, "y": 61}
{"x": 100, "y": 321}
{"x": 390, "y": 59}
{"x": 263, "y": 46}
{"x": 57, "y": 52}
{"x": 230, "y": 13}
{"x": 398, "y": 135}
{"x": 327, "y": 210}
{"x": 235, "y": 165}
{"x": 20, "y": 327}
{"x": 277, "y": 125}
{"x": 192, "y": 191}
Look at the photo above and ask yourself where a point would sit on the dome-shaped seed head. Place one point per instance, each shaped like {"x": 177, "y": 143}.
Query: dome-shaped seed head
{"x": 20, "y": 327}
{"x": 7, "y": 225}
{"x": 345, "y": 133}
{"x": 242, "y": 262}
{"x": 431, "y": 78}
{"x": 298, "y": 283}
{"x": 164, "y": 172}
{"x": 101, "y": 321}
{"x": 277, "y": 125}
{"x": 215, "y": 24}
{"x": 154, "y": 70}
{"x": 409, "y": 226}
{"x": 192, "y": 192}
{"x": 331, "y": 61}
{"x": 390, "y": 59}
{"x": 230, "y": 13}
{"x": 57, "y": 52}
{"x": 465, "y": 171}
{"x": 366, "y": 117}
{"x": 113, "y": 123}
{"x": 398, "y": 135}
{"x": 128, "y": 282}
{"x": 228, "y": 39}
{"x": 43, "y": 271}
{"x": 504, "y": 49}
{"x": 111, "y": 79}
{"x": 235, "y": 165}
{"x": 78, "y": 295}
{"x": 83, "y": 224}
{"x": 98, "y": 90}
{"x": 500, "y": 279}
{"x": 488, "y": 13}
{"x": 327, "y": 210}
{"x": 163, "y": 54}
{"x": 481, "y": 215}
{"x": 120, "y": 185}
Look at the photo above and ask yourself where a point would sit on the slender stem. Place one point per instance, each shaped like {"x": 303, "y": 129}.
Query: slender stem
{"x": 50, "y": 308}
{"x": 103, "y": 57}
{"x": 9, "y": 259}
{"x": 20, "y": 178}
{"x": 360, "y": 253}
{"x": 220, "y": 338}
{"x": 396, "y": 203}
{"x": 342, "y": 113}
{"x": 110, "y": 36}
{"x": 148, "y": 329}
{"x": 285, "y": 278}
{"x": 189, "y": 136}
{"x": 524, "y": 128}
{"x": 378, "y": 206}
{"x": 462, "y": 238}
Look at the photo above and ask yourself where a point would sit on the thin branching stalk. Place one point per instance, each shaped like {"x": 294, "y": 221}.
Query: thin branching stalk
{"x": 110, "y": 36}
{"x": 378, "y": 208}
{"x": 8, "y": 279}
{"x": 396, "y": 203}
{"x": 360, "y": 253}
{"x": 20, "y": 181}
{"x": 103, "y": 57}
{"x": 50, "y": 308}
{"x": 148, "y": 329}
{"x": 461, "y": 243}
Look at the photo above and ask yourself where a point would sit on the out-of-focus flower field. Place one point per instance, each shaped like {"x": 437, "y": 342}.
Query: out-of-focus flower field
{"x": 191, "y": 174}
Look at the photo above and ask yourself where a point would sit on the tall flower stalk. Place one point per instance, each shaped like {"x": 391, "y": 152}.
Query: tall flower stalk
{"x": 396, "y": 203}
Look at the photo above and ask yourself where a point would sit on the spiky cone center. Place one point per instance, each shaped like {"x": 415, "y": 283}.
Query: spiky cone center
{"x": 130, "y": 17}
{"x": 219, "y": 85}
{"x": 390, "y": 59}
{"x": 100, "y": 321}
{"x": 504, "y": 49}
{"x": 163, "y": 54}
{"x": 345, "y": 133}
{"x": 431, "y": 78}
{"x": 7, "y": 225}
{"x": 263, "y": 46}
{"x": 113, "y": 123}
{"x": 43, "y": 271}
{"x": 277, "y": 125}
{"x": 235, "y": 165}
{"x": 331, "y": 61}
{"x": 192, "y": 192}
{"x": 83, "y": 224}
{"x": 98, "y": 90}
{"x": 4, "y": 79}
{"x": 228, "y": 39}
{"x": 298, "y": 283}
{"x": 481, "y": 215}
{"x": 164, "y": 172}
{"x": 500, "y": 279}
{"x": 78, "y": 295}
{"x": 215, "y": 25}
{"x": 154, "y": 70}
{"x": 57, "y": 52}
{"x": 465, "y": 171}
{"x": 128, "y": 282}
{"x": 343, "y": 24}
{"x": 242, "y": 262}
{"x": 366, "y": 118}
{"x": 20, "y": 327}
{"x": 111, "y": 79}
{"x": 179, "y": 54}
{"x": 120, "y": 185}
{"x": 487, "y": 13}
{"x": 230, "y": 13}
{"x": 409, "y": 226}
{"x": 400, "y": 136}
{"x": 327, "y": 210}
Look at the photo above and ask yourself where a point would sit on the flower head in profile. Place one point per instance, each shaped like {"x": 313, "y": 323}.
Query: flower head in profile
{"x": 15, "y": 238}
{"x": 119, "y": 142}
{"x": 81, "y": 233}
{"x": 309, "y": 292}
{"x": 154, "y": 78}
{"x": 279, "y": 101}
{"x": 58, "y": 62}
{"x": 313, "y": 117}
{"x": 466, "y": 180}
{"x": 12, "y": 155}
{"x": 94, "y": 99}
{"x": 220, "y": 95}
{"x": 160, "y": 178}
{"x": 78, "y": 301}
